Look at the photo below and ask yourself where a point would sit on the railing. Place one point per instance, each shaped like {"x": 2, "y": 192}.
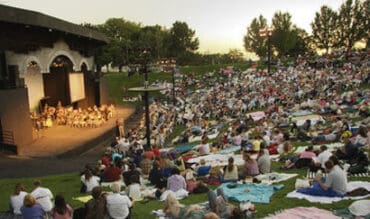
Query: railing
{"x": 7, "y": 143}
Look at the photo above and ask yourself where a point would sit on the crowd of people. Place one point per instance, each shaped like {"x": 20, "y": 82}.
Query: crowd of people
{"x": 91, "y": 117}
{"x": 330, "y": 90}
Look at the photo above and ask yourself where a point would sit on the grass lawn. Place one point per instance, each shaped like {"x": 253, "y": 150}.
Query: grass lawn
{"x": 69, "y": 185}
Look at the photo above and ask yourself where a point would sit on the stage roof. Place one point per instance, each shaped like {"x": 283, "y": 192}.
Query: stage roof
{"x": 32, "y": 18}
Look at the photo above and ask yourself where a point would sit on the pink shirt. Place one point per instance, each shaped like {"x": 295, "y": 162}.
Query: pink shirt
{"x": 66, "y": 215}
{"x": 307, "y": 155}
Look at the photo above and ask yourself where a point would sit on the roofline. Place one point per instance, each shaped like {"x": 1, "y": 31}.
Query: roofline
{"x": 22, "y": 16}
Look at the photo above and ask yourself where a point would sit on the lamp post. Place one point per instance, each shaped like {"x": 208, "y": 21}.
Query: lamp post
{"x": 267, "y": 32}
{"x": 146, "y": 89}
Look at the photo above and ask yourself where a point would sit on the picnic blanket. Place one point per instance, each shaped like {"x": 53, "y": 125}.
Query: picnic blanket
{"x": 229, "y": 150}
{"x": 300, "y": 120}
{"x": 215, "y": 160}
{"x": 304, "y": 212}
{"x": 328, "y": 200}
{"x": 302, "y": 113}
{"x": 270, "y": 178}
{"x": 83, "y": 199}
{"x": 256, "y": 116}
{"x": 183, "y": 148}
{"x": 312, "y": 175}
{"x": 331, "y": 147}
{"x": 256, "y": 193}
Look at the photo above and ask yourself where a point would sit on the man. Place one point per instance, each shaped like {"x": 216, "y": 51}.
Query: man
{"x": 96, "y": 207}
{"x": 349, "y": 151}
{"x": 336, "y": 179}
{"x": 43, "y": 196}
{"x": 118, "y": 205}
{"x": 322, "y": 157}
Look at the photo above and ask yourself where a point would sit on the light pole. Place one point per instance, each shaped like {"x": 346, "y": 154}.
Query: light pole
{"x": 146, "y": 89}
{"x": 267, "y": 32}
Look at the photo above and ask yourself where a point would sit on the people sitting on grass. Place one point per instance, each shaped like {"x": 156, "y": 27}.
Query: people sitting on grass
{"x": 230, "y": 172}
{"x": 250, "y": 166}
{"x": 304, "y": 159}
{"x": 89, "y": 181}
{"x": 16, "y": 199}
{"x": 118, "y": 205}
{"x": 43, "y": 196}
{"x": 61, "y": 209}
{"x": 173, "y": 209}
{"x": 96, "y": 208}
{"x": 32, "y": 209}
{"x": 334, "y": 185}
{"x": 176, "y": 182}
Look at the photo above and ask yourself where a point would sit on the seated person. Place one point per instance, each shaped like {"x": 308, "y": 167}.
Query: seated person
{"x": 127, "y": 174}
{"x": 304, "y": 159}
{"x": 156, "y": 177}
{"x": 250, "y": 166}
{"x": 89, "y": 180}
{"x": 16, "y": 200}
{"x": 96, "y": 207}
{"x": 324, "y": 138}
{"x": 335, "y": 184}
{"x": 348, "y": 151}
{"x": 176, "y": 182}
{"x": 118, "y": 205}
{"x": 230, "y": 172}
{"x": 173, "y": 209}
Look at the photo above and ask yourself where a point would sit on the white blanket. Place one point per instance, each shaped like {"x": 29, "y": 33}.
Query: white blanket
{"x": 215, "y": 160}
{"x": 274, "y": 177}
{"x": 180, "y": 194}
{"x": 328, "y": 200}
{"x": 331, "y": 147}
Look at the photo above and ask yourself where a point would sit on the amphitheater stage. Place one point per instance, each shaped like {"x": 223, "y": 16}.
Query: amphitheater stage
{"x": 62, "y": 141}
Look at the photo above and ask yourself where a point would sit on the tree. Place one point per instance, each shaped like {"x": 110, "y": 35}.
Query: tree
{"x": 351, "y": 24}
{"x": 283, "y": 38}
{"x": 366, "y": 15}
{"x": 235, "y": 55}
{"x": 182, "y": 41}
{"x": 323, "y": 27}
{"x": 253, "y": 42}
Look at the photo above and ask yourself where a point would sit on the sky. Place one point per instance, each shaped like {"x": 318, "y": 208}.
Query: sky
{"x": 219, "y": 24}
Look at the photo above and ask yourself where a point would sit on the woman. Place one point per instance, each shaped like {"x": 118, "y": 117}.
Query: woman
{"x": 176, "y": 182}
{"x": 250, "y": 166}
{"x": 362, "y": 138}
{"x": 89, "y": 180}
{"x": 31, "y": 210}
{"x": 175, "y": 210}
{"x": 230, "y": 171}
{"x": 61, "y": 210}
{"x": 156, "y": 177}
{"x": 16, "y": 200}
{"x": 96, "y": 207}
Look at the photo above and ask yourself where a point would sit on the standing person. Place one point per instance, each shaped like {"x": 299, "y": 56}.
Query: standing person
{"x": 96, "y": 207}
{"x": 43, "y": 196}
{"x": 120, "y": 132}
{"x": 264, "y": 161}
{"x": 118, "y": 205}
{"x": 16, "y": 200}
{"x": 61, "y": 210}
{"x": 31, "y": 209}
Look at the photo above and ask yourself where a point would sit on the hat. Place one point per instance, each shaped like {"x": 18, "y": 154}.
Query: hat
{"x": 346, "y": 134}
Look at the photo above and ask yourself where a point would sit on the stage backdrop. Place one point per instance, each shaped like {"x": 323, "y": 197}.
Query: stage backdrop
{"x": 76, "y": 86}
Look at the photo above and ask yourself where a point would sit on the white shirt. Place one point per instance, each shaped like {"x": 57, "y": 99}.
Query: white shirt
{"x": 16, "y": 201}
{"x": 134, "y": 191}
{"x": 91, "y": 183}
{"x": 323, "y": 157}
{"x": 43, "y": 196}
{"x": 118, "y": 205}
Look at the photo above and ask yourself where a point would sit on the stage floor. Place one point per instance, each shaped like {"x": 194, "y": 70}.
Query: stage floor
{"x": 59, "y": 140}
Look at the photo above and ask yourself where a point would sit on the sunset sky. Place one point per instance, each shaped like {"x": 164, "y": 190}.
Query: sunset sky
{"x": 219, "y": 24}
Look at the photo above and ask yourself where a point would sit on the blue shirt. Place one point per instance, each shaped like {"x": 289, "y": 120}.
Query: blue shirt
{"x": 34, "y": 212}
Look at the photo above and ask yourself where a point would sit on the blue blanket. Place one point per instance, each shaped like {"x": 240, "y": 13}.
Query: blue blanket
{"x": 183, "y": 148}
{"x": 256, "y": 193}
